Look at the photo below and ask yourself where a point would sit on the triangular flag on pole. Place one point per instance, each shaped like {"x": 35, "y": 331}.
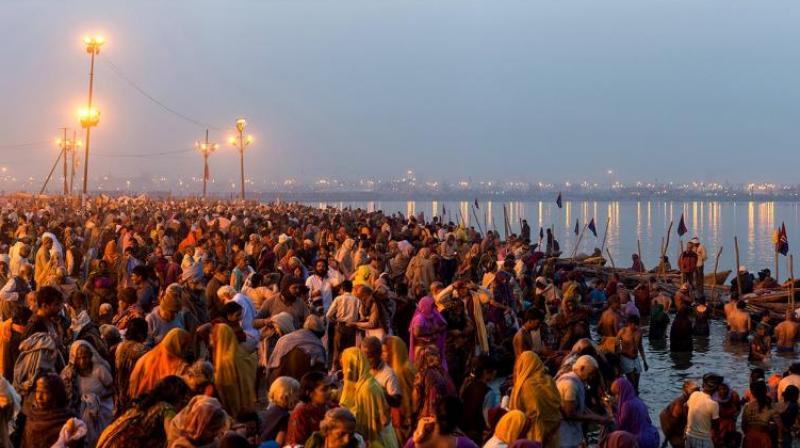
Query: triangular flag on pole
{"x": 577, "y": 226}
{"x": 476, "y": 204}
{"x": 593, "y": 228}
{"x": 682, "y": 227}
{"x": 558, "y": 200}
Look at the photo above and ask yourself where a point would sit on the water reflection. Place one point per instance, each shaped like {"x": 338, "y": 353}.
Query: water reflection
{"x": 715, "y": 223}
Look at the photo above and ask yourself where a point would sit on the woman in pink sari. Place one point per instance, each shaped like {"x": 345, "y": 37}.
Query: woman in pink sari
{"x": 428, "y": 327}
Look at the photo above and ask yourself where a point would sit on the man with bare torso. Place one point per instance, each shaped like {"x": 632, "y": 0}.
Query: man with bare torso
{"x": 739, "y": 323}
{"x": 786, "y": 334}
{"x": 662, "y": 299}
{"x": 630, "y": 347}
{"x": 610, "y": 323}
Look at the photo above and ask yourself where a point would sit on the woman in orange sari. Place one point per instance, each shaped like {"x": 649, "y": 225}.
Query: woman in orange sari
{"x": 395, "y": 353}
{"x": 163, "y": 360}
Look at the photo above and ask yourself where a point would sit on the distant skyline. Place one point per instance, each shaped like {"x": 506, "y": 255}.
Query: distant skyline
{"x": 452, "y": 89}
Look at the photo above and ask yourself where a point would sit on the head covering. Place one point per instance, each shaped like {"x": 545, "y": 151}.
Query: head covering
{"x": 234, "y": 371}
{"x": 404, "y": 370}
{"x": 171, "y": 301}
{"x": 585, "y": 361}
{"x": 428, "y": 321}
{"x": 510, "y": 428}
{"x": 284, "y": 322}
{"x": 165, "y": 359}
{"x": 535, "y": 394}
{"x": 365, "y": 398}
{"x": 201, "y": 422}
{"x": 314, "y": 324}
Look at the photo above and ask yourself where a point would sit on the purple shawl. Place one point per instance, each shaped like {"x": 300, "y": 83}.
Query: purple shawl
{"x": 631, "y": 415}
{"x": 428, "y": 320}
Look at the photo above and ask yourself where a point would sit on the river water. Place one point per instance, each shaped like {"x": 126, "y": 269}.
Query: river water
{"x": 715, "y": 223}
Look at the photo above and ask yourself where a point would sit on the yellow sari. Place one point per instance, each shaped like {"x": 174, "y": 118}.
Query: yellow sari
{"x": 363, "y": 396}
{"x": 163, "y": 360}
{"x": 234, "y": 371}
{"x": 509, "y": 428}
{"x": 405, "y": 372}
{"x": 535, "y": 394}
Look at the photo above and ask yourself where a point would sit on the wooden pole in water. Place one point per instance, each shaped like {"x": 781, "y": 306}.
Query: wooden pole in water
{"x": 578, "y": 243}
{"x": 791, "y": 287}
{"x": 605, "y": 235}
{"x": 639, "y": 252}
{"x": 680, "y": 251}
{"x": 505, "y": 221}
{"x": 777, "y": 275}
{"x": 664, "y": 250}
{"x": 738, "y": 275}
{"x": 477, "y": 221}
{"x": 610, "y": 258}
{"x": 714, "y": 284}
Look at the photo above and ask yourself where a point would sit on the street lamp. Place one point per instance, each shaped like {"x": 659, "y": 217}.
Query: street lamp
{"x": 241, "y": 143}
{"x": 68, "y": 145}
{"x": 91, "y": 116}
{"x": 205, "y": 149}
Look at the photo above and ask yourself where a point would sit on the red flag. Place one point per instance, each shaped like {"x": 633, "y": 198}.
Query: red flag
{"x": 782, "y": 244}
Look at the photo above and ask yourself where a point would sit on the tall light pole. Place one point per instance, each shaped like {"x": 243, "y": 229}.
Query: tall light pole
{"x": 68, "y": 146}
{"x": 90, "y": 117}
{"x": 241, "y": 143}
{"x": 63, "y": 143}
{"x": 75, "y": 145}
{"x": 205, "y": 149}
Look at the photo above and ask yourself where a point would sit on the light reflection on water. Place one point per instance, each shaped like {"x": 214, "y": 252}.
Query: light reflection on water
{"x": 715, "y": 223}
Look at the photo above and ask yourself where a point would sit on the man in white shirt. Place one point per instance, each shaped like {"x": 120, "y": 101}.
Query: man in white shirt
{"x": 703, "y": 413}
{"x": 343, "y": 315}
{"x": 792, "y": 379}
{"x": 319, "y": 285}
{"x": 383, "y": 374}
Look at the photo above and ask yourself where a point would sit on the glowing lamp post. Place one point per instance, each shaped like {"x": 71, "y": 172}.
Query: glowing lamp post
{"x": 90, "y": 117}
{"x": 205, "y": 149}
{"x": 241, "y": 142}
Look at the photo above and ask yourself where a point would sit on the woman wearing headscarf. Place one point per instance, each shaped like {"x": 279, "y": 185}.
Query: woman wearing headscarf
{"x": 46, "y": 413}
{"x": 200, "y": 424}
{"x": 365, "y": 398}
{"x": 420, "y": 272}
{"x": 729, "y": 407}
{"x": 395, "y": 354}
{"x": 90, "y": 388}
{"x": 535, "y": 394}
{"x": 145, "y": 423}
{"x": 631, "y": 415}
{"x": 165, "y": 359}
{"x": 428, "y": 327}
{"x": 234, "y": 371}
{"x": 10, "y": 405}
{"x": 513, "y": 426}
{"x": 431, "y": 383}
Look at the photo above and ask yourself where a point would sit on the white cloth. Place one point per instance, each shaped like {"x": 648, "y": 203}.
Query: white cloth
{"x": 702, "y": 410}
{"x": 323, "y": 285}
{"x": 789, "y": 380}
{"x": 344, "y": 308}
{"x": 388, "y": 380}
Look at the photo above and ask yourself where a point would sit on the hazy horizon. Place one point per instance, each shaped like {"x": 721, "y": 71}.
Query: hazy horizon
{"x": 508, "y": 90}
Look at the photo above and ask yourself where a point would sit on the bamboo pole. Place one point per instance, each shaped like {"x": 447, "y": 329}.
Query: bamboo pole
{"x": 738, "y": 275}
{"x": 777, "y": 272}
{"x": 605, "y": 235}
{"x": 639, "y": 252}
{"x": 664, "y": 250}
{"x": 505, "y": 221}
{"x": 610, "y": 258}
{"x": 714, "y": 285}
{"x": 578, "y": 243}
{"x": 791, "y": 276}
{"x": 678, "y": 258}
{"x": 477, "y": 221}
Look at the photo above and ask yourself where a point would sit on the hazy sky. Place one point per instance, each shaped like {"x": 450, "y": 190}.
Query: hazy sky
{"x": 523, "y": 90}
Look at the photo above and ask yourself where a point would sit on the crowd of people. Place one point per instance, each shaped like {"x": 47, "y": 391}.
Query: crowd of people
{"x": 192, "y": 324}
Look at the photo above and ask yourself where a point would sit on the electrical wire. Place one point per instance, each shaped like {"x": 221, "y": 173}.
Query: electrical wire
{"x": 24, "y": 145}
{"x": 117, "y": 71}
{"x": 152, "y": 154}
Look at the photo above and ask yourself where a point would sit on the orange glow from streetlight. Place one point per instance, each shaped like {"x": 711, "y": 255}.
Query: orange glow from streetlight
{"x": 88, "y": 117}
